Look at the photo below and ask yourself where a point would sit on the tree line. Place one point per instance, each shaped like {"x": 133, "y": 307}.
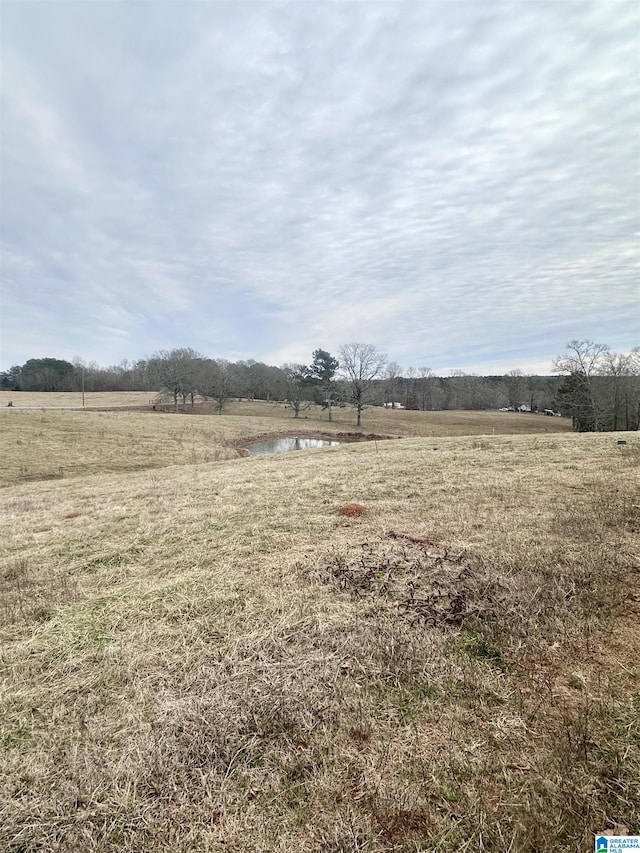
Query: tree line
{"x": 597, "y": 388}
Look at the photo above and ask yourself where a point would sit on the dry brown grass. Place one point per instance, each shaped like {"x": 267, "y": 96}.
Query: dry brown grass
{"x": 375, "y": 418}
{"x": 209, "y": 657}
{"x": 381, "y": 421}
{"x": 47, "y": 444}
{"x": 73, "y": 400}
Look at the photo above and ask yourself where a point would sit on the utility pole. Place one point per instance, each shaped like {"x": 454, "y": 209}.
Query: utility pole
{"x": 79, "y": 363}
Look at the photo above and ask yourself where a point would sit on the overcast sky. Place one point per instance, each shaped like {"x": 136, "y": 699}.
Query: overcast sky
{"x": 454, "y": 182}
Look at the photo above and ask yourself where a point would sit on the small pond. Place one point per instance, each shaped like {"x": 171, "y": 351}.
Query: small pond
{"x": 284, "y": 445}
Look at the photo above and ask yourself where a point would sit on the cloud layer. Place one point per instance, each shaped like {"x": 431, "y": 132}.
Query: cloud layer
{"x": 456, "y": 183}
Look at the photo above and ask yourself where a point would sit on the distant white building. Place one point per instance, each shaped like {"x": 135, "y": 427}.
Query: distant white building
{"x": 393, "y": 406}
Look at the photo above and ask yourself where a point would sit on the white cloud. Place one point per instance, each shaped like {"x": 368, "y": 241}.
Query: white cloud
{"x": 162, "y": 282}
{"x": 452, "y": 182}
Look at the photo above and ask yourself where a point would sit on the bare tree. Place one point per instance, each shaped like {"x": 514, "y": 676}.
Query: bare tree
{"x": 360, "y": 364}
{"x": 411, "y": 397}
{"x": 427, "y": 379}
{"x": 392, "y": 372}
{"x": 514, "y": 385}
{"x": 176, "y": 372}
{"x": 583, "y": 361}
{"x": 216, "y": 381}
{"x": 537, "y": 389}
{"x": 468, "y": 391}
{"x": 257, "y": 380}
{"x": 633, "y": 422}
{"x": 621, "y": 389}
{"x": 296, "y": 383}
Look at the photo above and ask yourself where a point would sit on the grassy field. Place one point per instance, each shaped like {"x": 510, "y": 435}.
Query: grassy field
{"x": 406, "y": 423}
{"x": 204, "y": 654}
{"x": 375, "y": 419}
{"x": 69, "y": 400}
{"x": 50, "y": 443}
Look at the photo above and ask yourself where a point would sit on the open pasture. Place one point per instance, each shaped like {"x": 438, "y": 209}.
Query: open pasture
{"x": 51, "y": 444}
{"x": 375, "y": 418}
{"x": 73, "y": 400}
{"x": 401, "y": 422}
{"x": 208, "y": 656}
{"x": 43, "y": 444}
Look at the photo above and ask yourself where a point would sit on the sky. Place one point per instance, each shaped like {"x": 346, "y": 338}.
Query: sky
{"x": 456, "y": 183}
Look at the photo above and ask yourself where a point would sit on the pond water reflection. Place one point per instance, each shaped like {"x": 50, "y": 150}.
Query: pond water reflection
{"x": 284, "y": 445}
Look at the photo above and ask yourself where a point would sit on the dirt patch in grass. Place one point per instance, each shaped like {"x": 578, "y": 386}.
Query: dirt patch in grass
{"x": 352, "y": 510}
